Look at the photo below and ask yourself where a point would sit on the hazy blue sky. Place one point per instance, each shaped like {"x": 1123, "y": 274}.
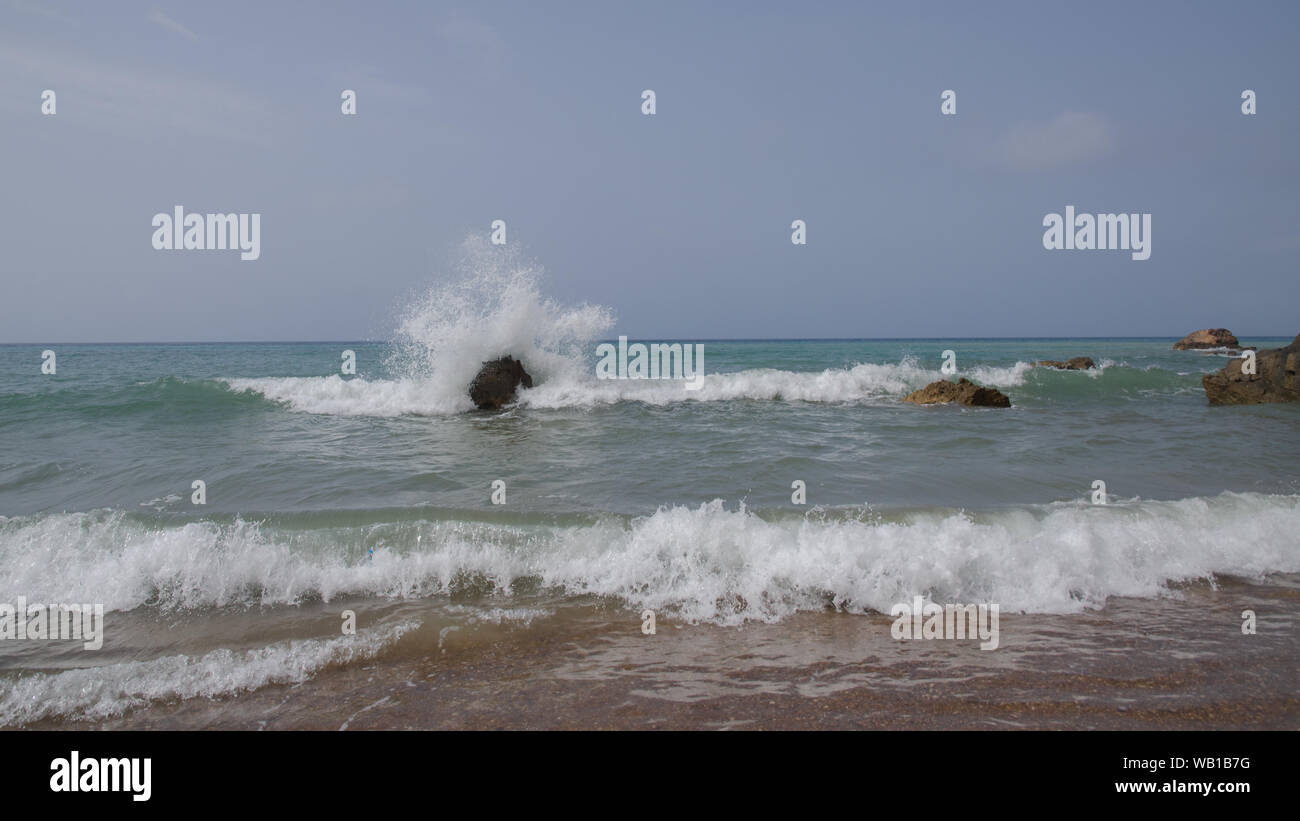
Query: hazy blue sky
{"x": 918, "y": 224}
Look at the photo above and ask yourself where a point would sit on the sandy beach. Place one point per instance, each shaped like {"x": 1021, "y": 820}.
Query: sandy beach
{"x": 1176, "y": 663}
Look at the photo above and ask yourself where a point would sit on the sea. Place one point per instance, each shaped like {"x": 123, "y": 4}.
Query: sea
{"x": 794, "y": 490}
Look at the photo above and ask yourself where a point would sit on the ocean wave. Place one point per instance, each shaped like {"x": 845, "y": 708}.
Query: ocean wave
{"x": 100, "y": 692}
{"x": 572, "y": 384}
{"x": 333, "y": 395}
{"x": 336, "y": 396}
{"x": 866, "y": 383}
{"x": 708, "y": 563}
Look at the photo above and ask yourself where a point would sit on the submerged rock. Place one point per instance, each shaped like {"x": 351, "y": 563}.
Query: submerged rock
{"x": 1075, "y": 363}
{"x": 1274, "y": 379}
{"x": 963, "y": 392}
{"x": 1208, "y": 338}
{"x": 497, "y": 382}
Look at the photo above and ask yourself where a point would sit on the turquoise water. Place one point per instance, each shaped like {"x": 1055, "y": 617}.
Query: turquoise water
{"x": 273, "y": 429}
{"x": 375, "y": 490}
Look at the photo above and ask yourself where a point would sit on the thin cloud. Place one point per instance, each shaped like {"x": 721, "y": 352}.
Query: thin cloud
{"x": 1073, "y": 138}
{"x": 163, "y": 20}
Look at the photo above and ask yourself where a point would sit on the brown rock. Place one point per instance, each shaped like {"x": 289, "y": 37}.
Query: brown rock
{"x": 1208, "y": 338}
{"x": 1274, "y": 379}
{"x": 963, "y": 392}
{"x": 497, "y": 381}
{"x": 1076, "y": 363}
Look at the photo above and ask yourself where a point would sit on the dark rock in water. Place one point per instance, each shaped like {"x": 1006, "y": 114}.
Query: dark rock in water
{"x": 963, "y": 392}
{"x": 1208, "y": 338}
{"x": 497, "y": 381}
{"x": 1274, "y": 380}
{"x": 1075, "y": 363}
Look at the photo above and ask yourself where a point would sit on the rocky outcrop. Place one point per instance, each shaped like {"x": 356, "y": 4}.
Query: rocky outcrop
{"x": 1075, "y": 363}
{"x": 1274, "y": 379}
{"x": 1208, "y": 338}
{"x": 497, "y": 382}
{"x": 963, "y": 392}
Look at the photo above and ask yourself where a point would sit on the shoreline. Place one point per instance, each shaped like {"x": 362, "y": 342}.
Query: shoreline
{"x": 1173, "y": 663}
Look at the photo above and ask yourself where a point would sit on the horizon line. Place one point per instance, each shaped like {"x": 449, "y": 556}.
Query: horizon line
{"x": 631, "y": 338}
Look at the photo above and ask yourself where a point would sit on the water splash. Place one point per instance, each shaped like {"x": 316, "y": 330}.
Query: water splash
{"x": 493, "y": 307}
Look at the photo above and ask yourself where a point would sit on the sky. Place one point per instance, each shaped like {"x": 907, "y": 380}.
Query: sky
{"x": 919, "y": 224}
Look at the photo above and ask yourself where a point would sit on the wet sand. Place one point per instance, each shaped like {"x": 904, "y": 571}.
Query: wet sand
{"x": 1175, "y": 663}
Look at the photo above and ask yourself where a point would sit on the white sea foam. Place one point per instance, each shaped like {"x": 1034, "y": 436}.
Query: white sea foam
{"x": 693, "y": 562}
{"x": 574, "y": 387}
{"x": 521, "y": 616}
{"x": 108, "y": 690}
{"x": 998, "y": 377}
{"x": 162, "y": 502}
{"x": 708, "y": 563}
{"x": 861, "y": 383}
